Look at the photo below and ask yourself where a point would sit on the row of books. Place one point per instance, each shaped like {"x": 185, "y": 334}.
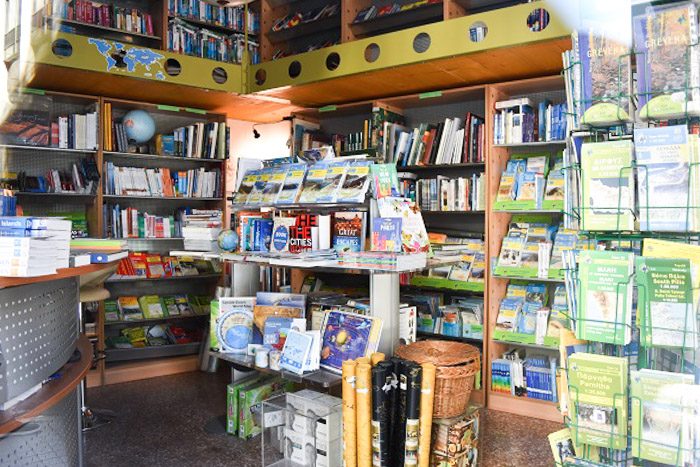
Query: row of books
{"x": 155, "y": 266}
{"x": 535, "y": 249}
{"x": 232, "y": 17}
{"x": 357, "y": 141}
{"x": 131, "y": 308}
{"x": 375, "y": 11}
{"x": 129, "y": 222}
{"x": 452, "y": 194}
{"x": 525, "y": 310}
{"x": 295, "y": 19}
{"x": 453, "y": 141}
{"x": 82, "y": 178}
{"x": 153, "y": 336}
{"x": 471, "y": 258}
{"x": 186, "y": 39}
{"x": 199, "y": 140}
{"x": 324, "y": 182}
{"x": 286, "y": 52}
{"x": 75, "y": 131}
{"x": 517, "y": 121}
{"x": 528, "y": 182}
{"x": 533, "y": 377}
{"x": 463, "y": 317}
{"x": 101, "y": 14}
{"x": 161, "y": 182}
{"x": 33, "y": 246}
{"x": 598, "y": 69}
{"x": 8, "y": 203}
{"x": 667, "y": 194}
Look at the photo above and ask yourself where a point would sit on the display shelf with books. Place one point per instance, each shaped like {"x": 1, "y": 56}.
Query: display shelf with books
{"x": 376, "y": 19}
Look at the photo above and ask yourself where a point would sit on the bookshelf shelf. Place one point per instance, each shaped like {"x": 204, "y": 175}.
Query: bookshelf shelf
{"x": 431, "y": 335}
{"x": 46, "y": 149}
{"x": 400, "y": 20}
{"x": 212, "y": 26}
{"x": 531, "y": 279}
{"x": 304, "y": 29}
{"x": 469, "y": 165}
{"x": 77, "y": 196}
{"x": 535, "y": 408}
{"x": 161, "y": 198}
{"x": 153, "y": 320}
{"x": 528, "y": 211}
{"x": 306, "y": 207}
{"x": 529, "y": 346}
{"x": 97, "y": 27}
{"x": 153, "y": 239}
{"x": 462, "y": 213}
{"x": 134, "y": 156}
{"x": 124, "y": 279}
{"x": 533, "y": 144}
{"x": 142, "y": 353}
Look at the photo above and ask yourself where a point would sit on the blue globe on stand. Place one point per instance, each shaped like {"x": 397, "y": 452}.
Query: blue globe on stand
{"x": 139, "y": 126}
{"x": 228, "y": 240}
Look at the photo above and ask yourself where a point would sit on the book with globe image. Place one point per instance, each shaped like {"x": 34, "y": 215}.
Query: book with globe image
{"x": 662, "y": 413}
{"x": 598, "y": 399}
{"x": 607, "y": 197}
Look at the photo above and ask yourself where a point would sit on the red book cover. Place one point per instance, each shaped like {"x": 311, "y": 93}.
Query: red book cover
{"x": 300, "y": 234}
{"x": 467, "y": 137}
{"x": 429, "y": 145}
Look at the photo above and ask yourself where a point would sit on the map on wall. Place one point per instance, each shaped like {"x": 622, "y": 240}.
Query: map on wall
{"x": 137, "y": 60}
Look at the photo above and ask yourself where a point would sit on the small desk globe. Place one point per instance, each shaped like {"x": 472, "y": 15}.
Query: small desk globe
{"x": 228, "y": 240}
{"x": 139, "y": 126}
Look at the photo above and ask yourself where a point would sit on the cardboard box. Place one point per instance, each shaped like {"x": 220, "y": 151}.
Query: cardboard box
{"x": 303, "y": 450}
{"x": 313, "y": 404}
{"x": 455, "y": 441}
{"x": 232, "y": 393}
{"x": 250, "y": 404}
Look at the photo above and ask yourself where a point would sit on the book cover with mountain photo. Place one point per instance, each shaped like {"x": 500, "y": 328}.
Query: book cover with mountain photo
{"x": 356, "y": 182}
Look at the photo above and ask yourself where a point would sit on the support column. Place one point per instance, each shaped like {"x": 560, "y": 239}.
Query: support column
{"x": 384, "y": 289}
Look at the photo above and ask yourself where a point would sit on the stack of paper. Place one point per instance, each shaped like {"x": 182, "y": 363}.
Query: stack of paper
{"x": 33, "y": 246}
{"x": 201, "y": 229}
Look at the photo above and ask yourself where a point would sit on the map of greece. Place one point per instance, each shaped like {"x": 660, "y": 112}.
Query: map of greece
{"x": 135, "y": 60}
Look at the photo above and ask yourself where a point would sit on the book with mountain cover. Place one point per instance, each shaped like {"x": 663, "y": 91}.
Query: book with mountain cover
{"x": 598, "y": 399}
{"x": 274, "y": 185}
{"x": 663, "y": 409}
{"x": 292, "y": 184}
{"x": 605, "y": 59}
{"x": 260, "y": 182}
{"x": 246, "y": 186}
{"x": 335, "y": 175}
{"x": 356, "y": 182}
{"x": 313, "y": 183}
{"x": 664, "y": 155}
{"x": 605, "y": 296}
{"x": 665, "y": 306}
{"x": 668, "y": 61}
{"x": 608, "y": 186}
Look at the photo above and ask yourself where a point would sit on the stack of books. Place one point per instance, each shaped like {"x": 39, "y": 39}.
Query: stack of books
{"x": 161, "y": 182}
{"x": 96, "y": 250}
{"x": 201, "y": 228}
{"x": 452, "y": 194}
{"x": 382, "y": 260}
{"x": 33, "y": 246}
{"x": 199, "y": 140}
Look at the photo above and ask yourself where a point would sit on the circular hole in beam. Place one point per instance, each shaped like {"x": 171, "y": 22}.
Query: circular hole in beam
{"x": 62, "y": 48}
{"x": 478, "y": 31}
{"x": 219, "y": 75}
{"x": 372, "y": 52}
{"x": 538, "y": 20}
{"x": 294, "y": 69}
{"x": 421, "y": 42}
{"x": 260, "y": 77}
{"x": 173, "y": 67}
{"x": 333, "y": 61}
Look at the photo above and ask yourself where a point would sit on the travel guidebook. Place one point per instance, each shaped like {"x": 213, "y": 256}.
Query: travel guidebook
{"x": 356, "y": 182}
{"x": 665, "y": 308}
{"x": 666, "y": 61}
{"x": 662, "y": 416}
{"x": 292, "y": 184}
{"x": 608, "y": 186}
{"x": 600, "y": 47}
{"x": 598, "y": 399}
{"x": 386, "y": 234}
{"x": 414, "y": 236}
{"x": 663, "y": 156}
{"x": 605, "y": 296}
{"x": 348, "y": 231}
{"x": 313, "y": 183}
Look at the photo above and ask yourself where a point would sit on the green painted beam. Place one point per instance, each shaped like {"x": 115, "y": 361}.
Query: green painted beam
{"x": 133, "y": 61}
{"x": 507, "y": 27}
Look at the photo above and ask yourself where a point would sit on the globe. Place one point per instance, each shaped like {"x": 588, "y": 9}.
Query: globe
{"x": 139, "y": 126}
{"x": 228, "y": 240}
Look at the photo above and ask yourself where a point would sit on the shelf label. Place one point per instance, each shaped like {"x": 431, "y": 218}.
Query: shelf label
{"x": 169, "y": 108}
{"x": 38, "y": 92}
{"x": 429, "y": 95}
{"x": 196, "y": 111}
{"x": 328, "y": 108}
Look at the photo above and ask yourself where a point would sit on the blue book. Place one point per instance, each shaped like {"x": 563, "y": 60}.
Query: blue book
{"x": 168, "y": 145}
{"x": 34, "y": 223}
{"x": 265, "y": 233}
{"x": 99, "y": 258}
{"x": 33, "y": 233}
{"x": 386, "y": 234}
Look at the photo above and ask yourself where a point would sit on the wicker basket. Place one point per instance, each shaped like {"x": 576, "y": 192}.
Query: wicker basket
{"x": 457, "y": 365}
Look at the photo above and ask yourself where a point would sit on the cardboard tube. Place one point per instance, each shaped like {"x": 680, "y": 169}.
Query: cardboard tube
{"x": 427, "y": 399}
{"x": 349, "y": 415}
{"x": 363, "y": 361}
{"x": 377, "y": 357}
{"x": 363, "y": 401}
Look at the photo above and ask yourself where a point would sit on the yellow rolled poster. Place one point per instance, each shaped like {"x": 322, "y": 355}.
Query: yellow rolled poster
{"x": 363, "y": 360}
{"x": 349, "y": 414}
{"x": 377, "y": 357}
{"x": 363, "y": 403}
{"x": 427, "y": 398}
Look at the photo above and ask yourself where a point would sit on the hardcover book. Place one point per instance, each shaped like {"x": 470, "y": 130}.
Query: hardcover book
{"x": 608, "y": 186}
{"x": 668, "y": 66}
{"x": 598, "y": 399}
{"x": 663, "y": 156}
{"x": 348, "y": 231}
{"x": 665, "y": 306}
{"x": 661, "y": 416}
{"x": 386, "y": 234}
{"x": 605, "y": 296}
{"x": 384, "y": 180}
{"x": 292, "y": 184}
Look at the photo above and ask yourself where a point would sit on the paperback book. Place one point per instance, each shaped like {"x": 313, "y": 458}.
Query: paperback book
{"x": 313, "y": 183}
{"x": 386, "y": 234}
{"x": 292, "y": 184}
{"x": 348, "y": 231}
{"x": 414, "y": 236}
{"x": 356, "y": 182}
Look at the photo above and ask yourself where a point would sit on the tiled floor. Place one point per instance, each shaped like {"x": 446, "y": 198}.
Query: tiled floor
{"x": 161, "y": 423}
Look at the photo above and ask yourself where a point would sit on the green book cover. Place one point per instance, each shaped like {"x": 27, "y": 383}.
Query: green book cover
{"x": 598, "y": 395}
{"x": 385, "y": 181}
{"x": 665, "y": 306}
{"x": 111, "y": 310}
{"x": 605, "y": 296}
{"x": 660, "y": 428}
{"x": 170, "y": 304}
{"x": 152, "y": 307}
{"x": 607, "y": 200}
